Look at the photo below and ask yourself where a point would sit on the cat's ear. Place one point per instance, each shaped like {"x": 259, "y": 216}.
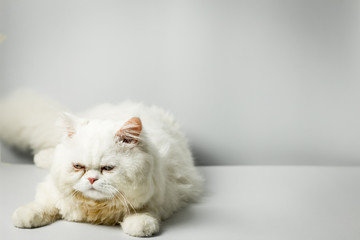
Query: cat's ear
{"x": 68, "y": 123}
{"x": 130, "y": 131}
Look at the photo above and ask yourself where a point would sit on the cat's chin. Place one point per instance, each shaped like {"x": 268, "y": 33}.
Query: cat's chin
{"x": 95, "y": 195}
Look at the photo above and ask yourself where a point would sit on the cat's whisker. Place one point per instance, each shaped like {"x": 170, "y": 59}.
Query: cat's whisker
{"x": 74, "y": 193}
{"x": 123, "y": 201}
{"x": 127, "y": 201}
{"x": 116, "y": 195}
{"x": 108, "y": 190}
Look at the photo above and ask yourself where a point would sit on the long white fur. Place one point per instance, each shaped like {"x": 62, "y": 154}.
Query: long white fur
{"x": 27, "y": 121}
{"x": 150, "y": 180}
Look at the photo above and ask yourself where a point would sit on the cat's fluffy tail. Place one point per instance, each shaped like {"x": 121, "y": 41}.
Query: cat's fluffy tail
{"x": 28, "y": 121}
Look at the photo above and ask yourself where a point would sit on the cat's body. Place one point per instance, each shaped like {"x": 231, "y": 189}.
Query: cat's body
{"x": 125, "y": 163}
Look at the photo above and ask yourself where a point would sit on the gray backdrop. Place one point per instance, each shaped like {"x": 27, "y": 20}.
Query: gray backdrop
{"x": 251, "y": 82}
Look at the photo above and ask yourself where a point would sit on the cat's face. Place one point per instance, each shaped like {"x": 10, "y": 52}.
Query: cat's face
{"x": 100, "y": 160}
{"x": 95, "y": 177}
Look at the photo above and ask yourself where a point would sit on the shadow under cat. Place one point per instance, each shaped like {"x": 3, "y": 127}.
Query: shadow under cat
{"x": 14, "y": 156}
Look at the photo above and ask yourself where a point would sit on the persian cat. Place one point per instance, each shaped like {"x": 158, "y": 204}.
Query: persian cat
{"x": 125, "y": 164}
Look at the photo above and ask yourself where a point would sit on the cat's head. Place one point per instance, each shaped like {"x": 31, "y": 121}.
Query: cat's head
{"x": 103, "y": 159}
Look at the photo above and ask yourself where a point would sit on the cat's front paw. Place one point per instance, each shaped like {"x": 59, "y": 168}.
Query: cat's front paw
{"x": 140, "y": 225}
{"x": 27, "y": 217}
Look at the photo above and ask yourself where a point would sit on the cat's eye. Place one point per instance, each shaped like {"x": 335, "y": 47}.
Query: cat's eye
{"x": 107, "y": 168}
{"x": 78, "y": 166}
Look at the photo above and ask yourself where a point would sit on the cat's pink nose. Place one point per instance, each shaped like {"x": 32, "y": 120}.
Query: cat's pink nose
{"x": 92, "y": 180}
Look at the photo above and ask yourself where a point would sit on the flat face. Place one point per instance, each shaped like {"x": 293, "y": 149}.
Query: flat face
{"x": 99, "y": 165}
{"x": 91, "y": 160}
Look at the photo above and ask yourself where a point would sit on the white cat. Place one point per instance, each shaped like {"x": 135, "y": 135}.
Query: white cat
{"x": 124, "y": 164}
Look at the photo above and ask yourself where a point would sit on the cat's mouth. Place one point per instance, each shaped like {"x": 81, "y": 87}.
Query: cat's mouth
{"x": 94, "y": 191}
{"x": 93, "y": 187}
{"x": 95, "y": 194}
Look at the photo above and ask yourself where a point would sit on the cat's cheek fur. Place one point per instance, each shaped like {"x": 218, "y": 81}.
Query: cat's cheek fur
{"x": 140, "y": 225}
{"x": 139, "y": 184}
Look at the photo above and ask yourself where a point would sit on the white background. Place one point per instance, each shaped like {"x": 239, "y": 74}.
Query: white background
{"x": 251, "y": 82}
